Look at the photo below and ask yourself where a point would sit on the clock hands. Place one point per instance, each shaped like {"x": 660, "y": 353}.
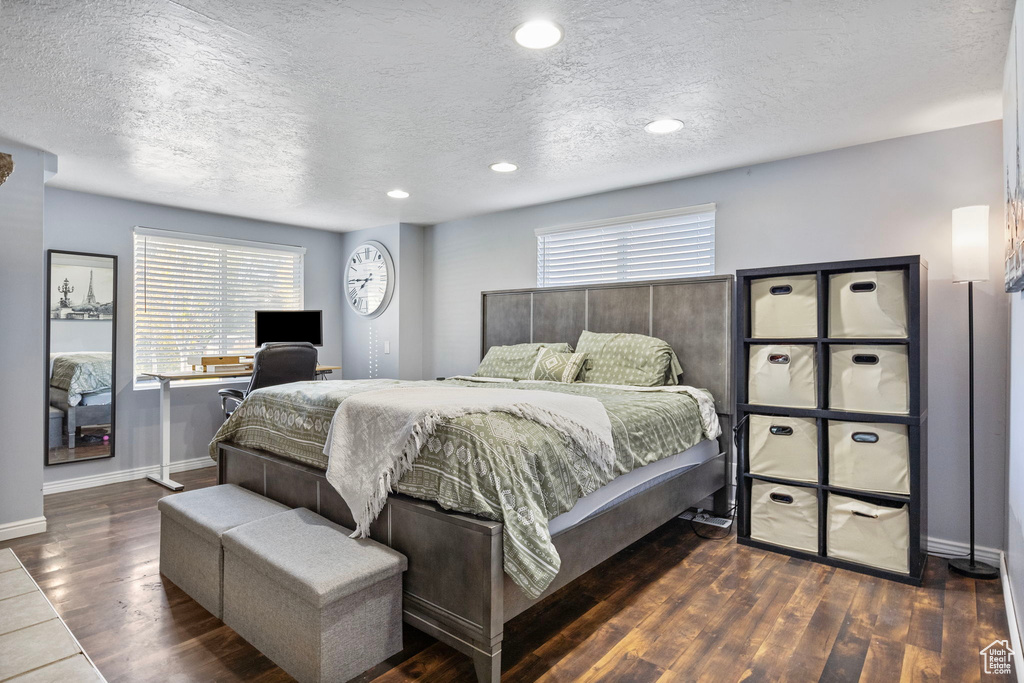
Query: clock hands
{"x": 365, "y": 281}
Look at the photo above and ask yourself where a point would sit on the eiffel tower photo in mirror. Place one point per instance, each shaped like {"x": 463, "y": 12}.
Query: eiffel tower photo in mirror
{"x": 832, "y": 415}
{"x": 81, "y": 304}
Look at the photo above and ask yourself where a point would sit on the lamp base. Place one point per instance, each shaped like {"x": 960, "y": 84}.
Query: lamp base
{"x": 978, "y": 570}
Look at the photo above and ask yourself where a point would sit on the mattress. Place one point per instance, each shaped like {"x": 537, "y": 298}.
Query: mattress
{"x": 97, "y": 398}
{"x": 630, "y": 484}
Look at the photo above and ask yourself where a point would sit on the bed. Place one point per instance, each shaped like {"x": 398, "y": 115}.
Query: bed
{"x": 80, "y": 387}
{"x": 463, "y": 583}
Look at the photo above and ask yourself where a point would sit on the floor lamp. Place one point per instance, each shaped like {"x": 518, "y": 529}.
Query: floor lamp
{"x": 970, "y": 265}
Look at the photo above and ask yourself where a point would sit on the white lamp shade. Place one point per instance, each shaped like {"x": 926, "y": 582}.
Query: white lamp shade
{"x": 970, "y": 244}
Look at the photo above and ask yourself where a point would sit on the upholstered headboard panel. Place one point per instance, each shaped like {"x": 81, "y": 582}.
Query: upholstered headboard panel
{"x": 694, "y": 315}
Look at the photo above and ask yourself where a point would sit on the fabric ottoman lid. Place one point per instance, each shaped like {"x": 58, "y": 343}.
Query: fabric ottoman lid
{"x": 211, "y": 511}
{"x": 313, "y": 557}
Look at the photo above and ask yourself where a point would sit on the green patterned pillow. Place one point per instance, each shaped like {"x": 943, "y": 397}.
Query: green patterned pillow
{"x": 515, "y": 361}
{"x": 553, "y": 366}
{"x": 631, "y": 359}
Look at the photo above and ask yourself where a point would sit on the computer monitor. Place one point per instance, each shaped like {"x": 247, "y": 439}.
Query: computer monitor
{"x": 289, "y": 326}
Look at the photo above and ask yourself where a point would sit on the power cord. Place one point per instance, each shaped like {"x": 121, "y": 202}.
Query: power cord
{"x": 727, "y": 531}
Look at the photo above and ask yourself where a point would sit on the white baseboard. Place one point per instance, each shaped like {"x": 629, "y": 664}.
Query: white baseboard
{"x": 1011, "y": 618}
{"x": 123, "y": 475}
{"x": 24, "y": 527}
{"x": 944, "y": 548}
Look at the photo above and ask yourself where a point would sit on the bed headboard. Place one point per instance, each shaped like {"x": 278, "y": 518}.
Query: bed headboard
{"x": 694, "y": 315}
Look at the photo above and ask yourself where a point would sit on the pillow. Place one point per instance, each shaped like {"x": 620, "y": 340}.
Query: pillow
{"x": 558, "y": 367}
{"x": 631, "y": 359}
{"x": 515, "y": 361}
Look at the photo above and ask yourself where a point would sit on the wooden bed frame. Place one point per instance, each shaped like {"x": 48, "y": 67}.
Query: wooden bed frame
{"x": 81, "y": 416}
{"x": 455, "y": 588}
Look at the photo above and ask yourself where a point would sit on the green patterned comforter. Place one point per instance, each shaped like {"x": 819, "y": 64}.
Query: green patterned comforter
{"x": 494, "y": 465}
{"x": 80, "y": 373}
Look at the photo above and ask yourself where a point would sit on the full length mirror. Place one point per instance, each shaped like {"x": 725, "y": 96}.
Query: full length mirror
{"x": 81, "y": 304}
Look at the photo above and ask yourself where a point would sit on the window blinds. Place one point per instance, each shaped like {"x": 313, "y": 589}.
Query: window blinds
{"x": 668, "y": 244}
{"x": 196, "y": 296}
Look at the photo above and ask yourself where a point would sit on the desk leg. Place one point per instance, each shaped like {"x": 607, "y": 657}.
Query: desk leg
{"x": 164, "y": 479}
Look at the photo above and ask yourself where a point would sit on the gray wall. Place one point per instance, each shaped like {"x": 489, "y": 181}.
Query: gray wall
{"x": 883, "y": 199}
{"x": 410, "y": 325}
{"x": 85, "y": 222}
{"x": 1015, "y": 463}
{"x": 21, "y": 329}
{"x": 400, "y": 325}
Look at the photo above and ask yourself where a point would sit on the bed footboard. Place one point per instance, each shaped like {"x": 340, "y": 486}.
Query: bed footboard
{"x": 453, "y": 589}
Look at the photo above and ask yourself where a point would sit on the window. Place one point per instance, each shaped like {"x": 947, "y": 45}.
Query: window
{"x": 667, "y": 244}
{"x": 196, "y": 295}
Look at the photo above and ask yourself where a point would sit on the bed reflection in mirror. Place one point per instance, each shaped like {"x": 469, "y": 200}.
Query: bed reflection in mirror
{"x": 81, "y": 302}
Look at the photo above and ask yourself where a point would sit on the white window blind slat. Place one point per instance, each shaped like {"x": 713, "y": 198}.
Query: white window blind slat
{"x": 665, "y": 245}
{"x": 197, "y": 295}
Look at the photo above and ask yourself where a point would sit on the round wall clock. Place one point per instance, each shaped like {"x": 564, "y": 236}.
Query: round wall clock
{"x": 370, "y": 279}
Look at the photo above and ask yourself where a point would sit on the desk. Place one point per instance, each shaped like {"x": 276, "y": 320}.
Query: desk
{"x": 164, "y": 478}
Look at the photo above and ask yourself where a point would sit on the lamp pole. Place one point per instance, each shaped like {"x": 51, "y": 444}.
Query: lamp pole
{"x": 969, "y": 566}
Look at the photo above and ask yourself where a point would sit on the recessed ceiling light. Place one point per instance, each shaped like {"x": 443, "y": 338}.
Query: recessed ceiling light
{"x": 398, "y": 194}
{"x": 538, "y": 34}
{"x": 503, "y": 167}
{"x": 662, "y": 126}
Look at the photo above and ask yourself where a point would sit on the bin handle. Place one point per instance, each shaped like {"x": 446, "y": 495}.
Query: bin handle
{"x": 784, "y": 498}
{"x": 865, "y": 437}
{"x": 862, "y": 287}
{"x": 778, "y": 358}
{"x": 864, "y": 514}
{"x": 865, "y": 359}
{"x": 780, "y": 289}
{"x": 780, "y": 430}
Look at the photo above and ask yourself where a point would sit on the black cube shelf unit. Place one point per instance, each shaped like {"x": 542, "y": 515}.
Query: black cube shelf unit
{"x": 874, "y": 503}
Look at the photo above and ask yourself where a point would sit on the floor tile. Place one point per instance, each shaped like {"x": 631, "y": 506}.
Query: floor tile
{"x": 8, "y": 560}
{"x": 16, "y": 582}
{"x": 24, "y": 610}
{"x": 33, "y": 647}
{"x": 72, "y": 670}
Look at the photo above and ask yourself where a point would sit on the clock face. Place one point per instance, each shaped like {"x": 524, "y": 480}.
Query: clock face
{"x": 369, "y": 280}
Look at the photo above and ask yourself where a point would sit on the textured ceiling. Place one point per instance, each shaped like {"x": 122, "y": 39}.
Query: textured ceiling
{"x": 308, "y": 112}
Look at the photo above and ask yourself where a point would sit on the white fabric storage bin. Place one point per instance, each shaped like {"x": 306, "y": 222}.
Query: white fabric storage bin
{"x": 869, "y": 456}
{"x": 784, "y": 515}
{"x": 862, "y": 532}
{"x": 870, "y": 379}
{"x": 784, "y": 447}
{"x": 783, "y": 375}
{"x": 784, "y": 306}
{"x": 868, "y": 304}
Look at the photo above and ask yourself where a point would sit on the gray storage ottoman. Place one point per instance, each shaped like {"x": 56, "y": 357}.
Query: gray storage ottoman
{"x": 321, "y": 605}
{"x": 191, "y": 525}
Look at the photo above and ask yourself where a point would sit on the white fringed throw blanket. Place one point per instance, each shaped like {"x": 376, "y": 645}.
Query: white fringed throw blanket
{"x": 376, "y": 436}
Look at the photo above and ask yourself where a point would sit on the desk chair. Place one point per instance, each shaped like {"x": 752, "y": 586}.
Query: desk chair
{"x": 278, "y": 363}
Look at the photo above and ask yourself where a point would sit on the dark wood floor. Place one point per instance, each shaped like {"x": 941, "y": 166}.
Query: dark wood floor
{"x": 671, "y": 607}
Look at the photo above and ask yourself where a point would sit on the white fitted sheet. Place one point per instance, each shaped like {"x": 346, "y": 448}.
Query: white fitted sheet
{"x": 632, "y": 483}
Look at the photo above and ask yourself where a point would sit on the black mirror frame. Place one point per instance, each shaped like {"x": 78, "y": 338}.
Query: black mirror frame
{"x": 48, "y": 301}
